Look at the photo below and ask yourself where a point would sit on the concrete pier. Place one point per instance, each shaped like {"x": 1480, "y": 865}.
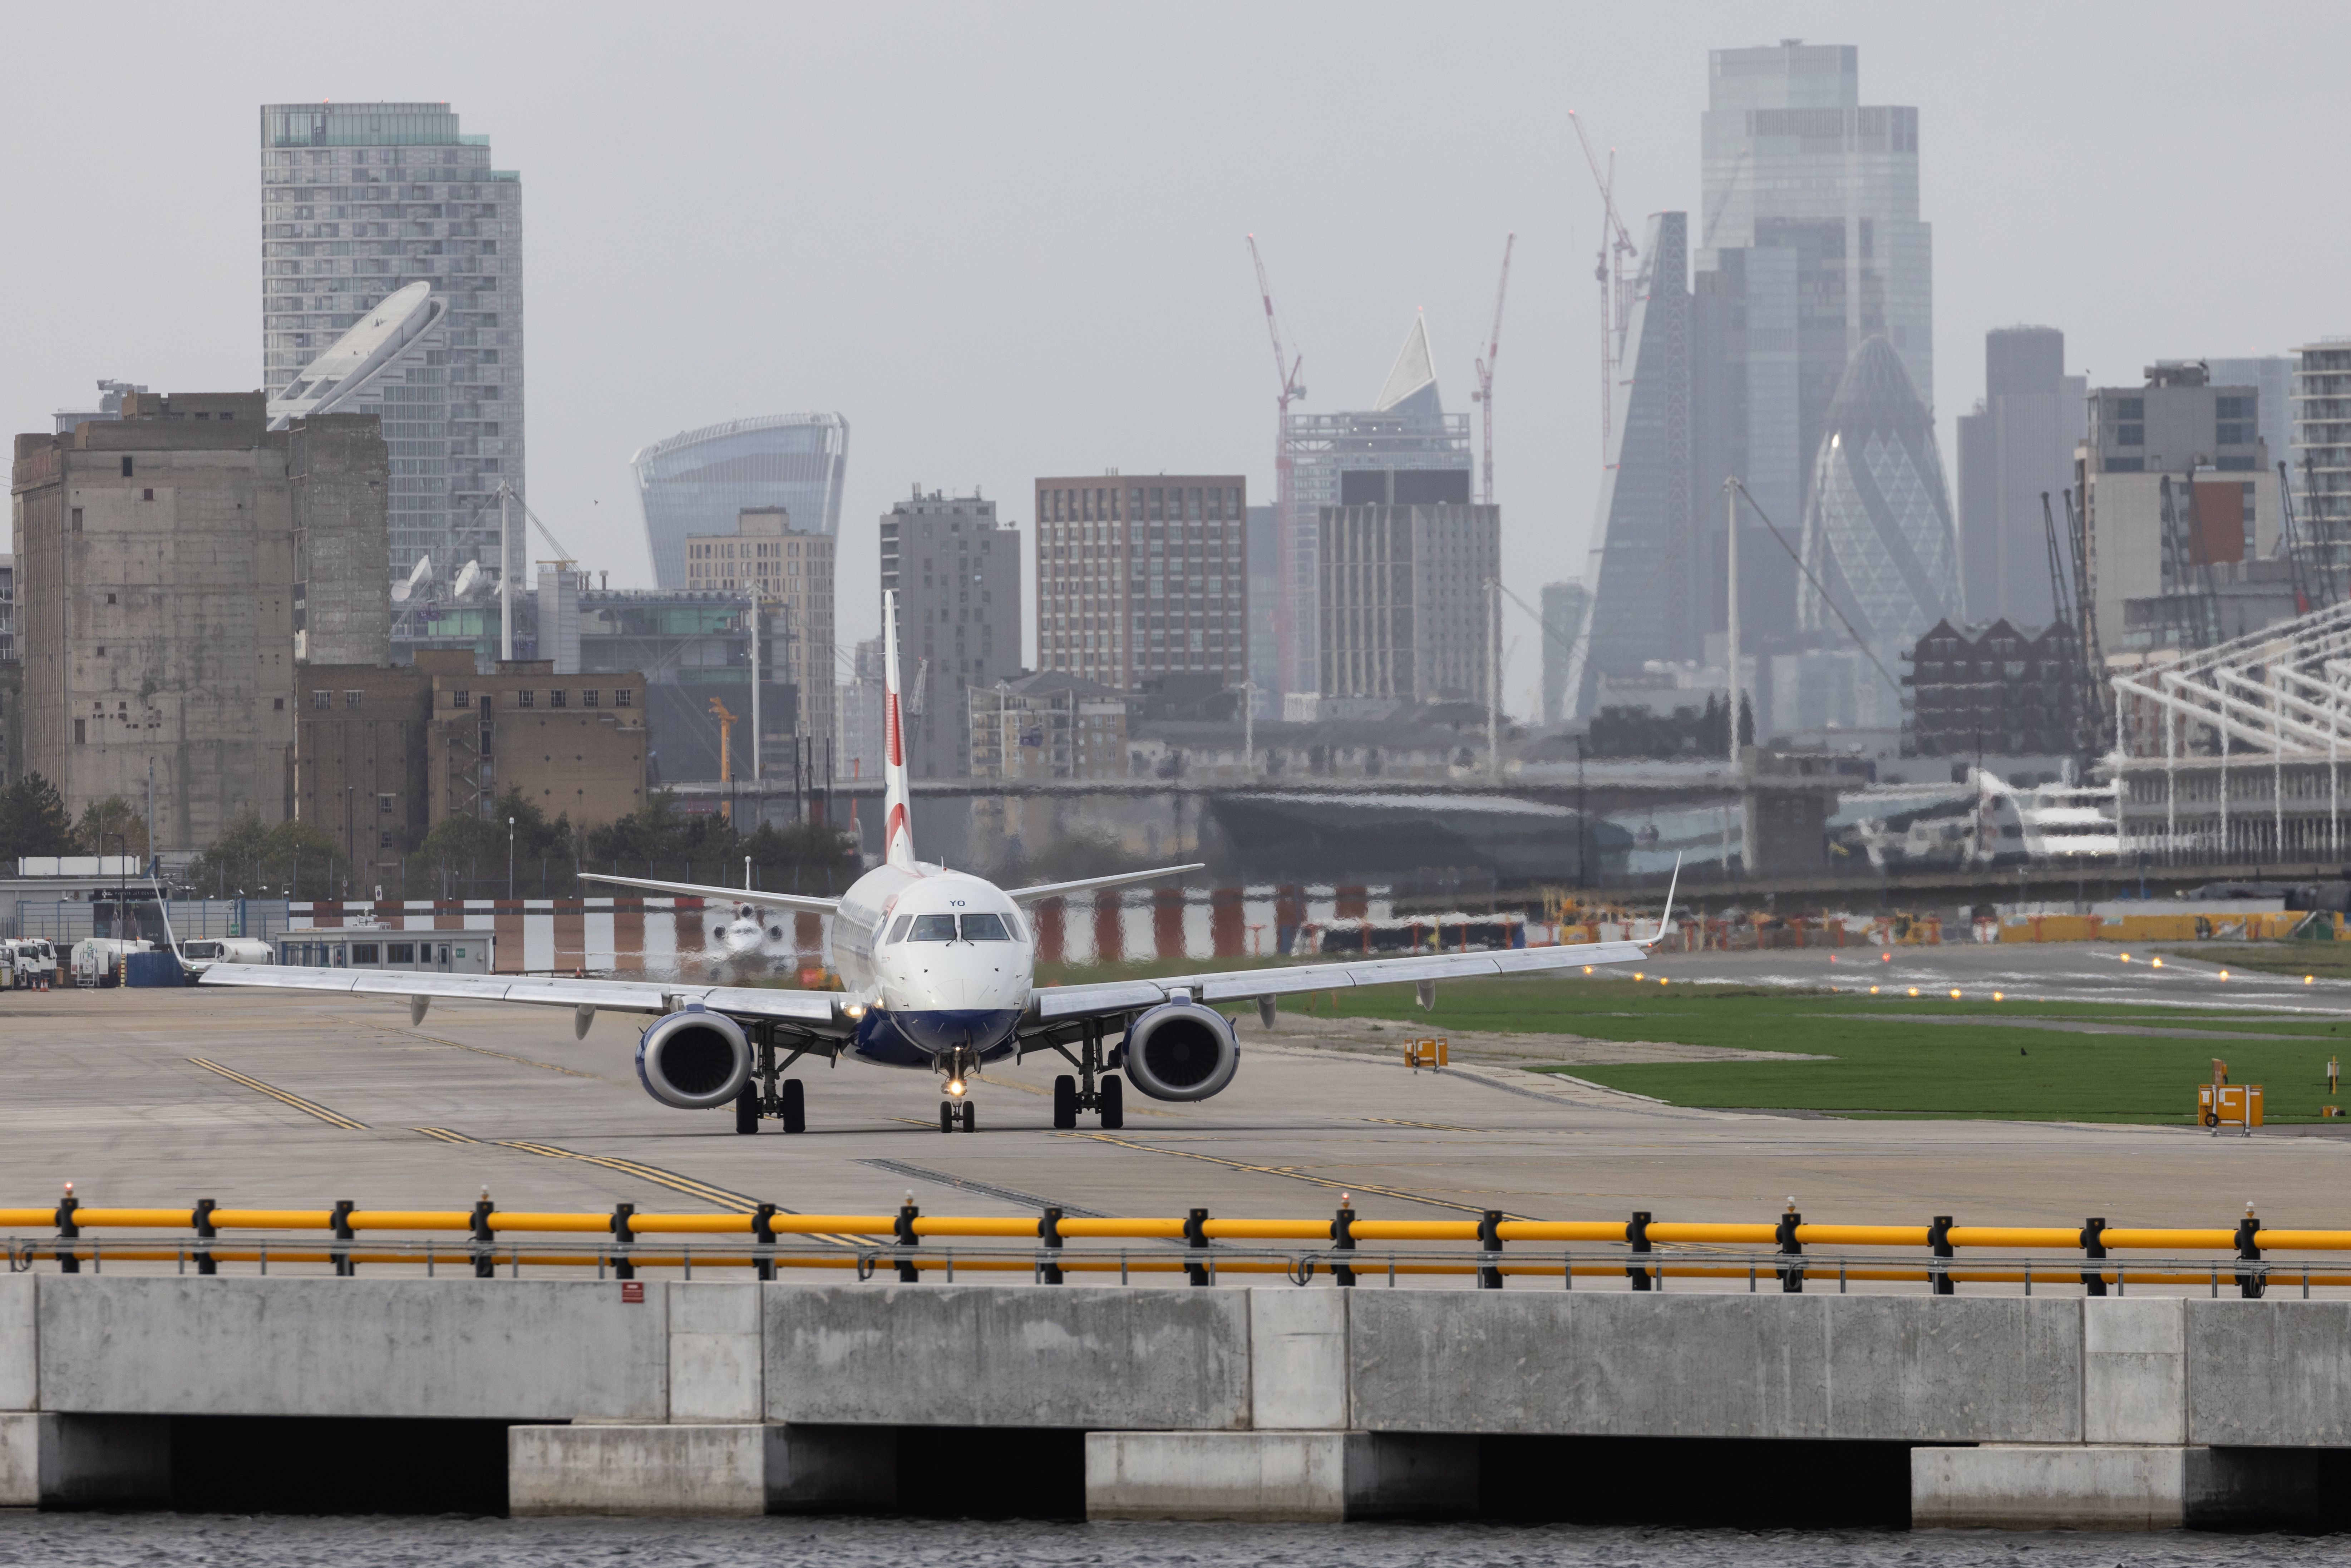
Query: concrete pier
{"x": 1266, "y": 1403}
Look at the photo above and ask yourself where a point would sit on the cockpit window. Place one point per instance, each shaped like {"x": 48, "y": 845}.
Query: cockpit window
{"x": 935, "y": 929}
{"x": 1012, "y": 924}
{"x": 898, "y": 932}
{"x": 985, "y": 928}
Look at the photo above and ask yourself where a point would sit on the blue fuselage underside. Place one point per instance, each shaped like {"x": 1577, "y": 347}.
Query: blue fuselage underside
{"x": 921, "y": 1039}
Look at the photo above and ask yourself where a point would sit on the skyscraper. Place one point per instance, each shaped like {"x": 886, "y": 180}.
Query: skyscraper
{"x": 957, "y": 573}
{"x": 1139, "y": 579}
{"x": 1877, "y": 534}
{"x": 1565, "y": 605}
{"x": 1644, "y": 565}
{"x": 1810, "y": 244}
{"x": 359, "y": 201}
{"x": 1407, "y": 428}
{"x": 2017, "y": 446}
{"x": 699, "y": 481}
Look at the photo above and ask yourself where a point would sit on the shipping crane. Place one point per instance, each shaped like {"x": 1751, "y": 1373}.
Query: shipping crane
{"x": 1286, "y": 369}
{"x": 1484, "y": 395}
{"x": 1616, "y": 248}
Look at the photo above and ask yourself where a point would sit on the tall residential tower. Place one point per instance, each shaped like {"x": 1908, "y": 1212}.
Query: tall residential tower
{"x": 358, "y": 201}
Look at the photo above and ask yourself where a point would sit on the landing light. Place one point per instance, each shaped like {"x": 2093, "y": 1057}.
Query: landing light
{"x": 955, "y": 1086}
{"x": 853, "y": 1010}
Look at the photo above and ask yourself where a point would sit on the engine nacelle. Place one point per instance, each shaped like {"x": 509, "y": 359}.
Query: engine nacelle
{"x": 1181, "y": 1050}
{"x": 695, "y": 1059}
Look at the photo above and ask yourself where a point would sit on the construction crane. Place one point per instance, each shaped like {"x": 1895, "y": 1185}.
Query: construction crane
{"x": 2065, "y": 602}
{"x": 1286, "y": 369}
{"x": 725, "y": 752}
{"x": 1616, "y": 249}
{"x": 1484, "y": 395}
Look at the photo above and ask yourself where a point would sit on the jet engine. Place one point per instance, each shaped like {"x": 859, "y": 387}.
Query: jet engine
{"x": 1181, "y": 1050}
{"x": 695, "y": 1060}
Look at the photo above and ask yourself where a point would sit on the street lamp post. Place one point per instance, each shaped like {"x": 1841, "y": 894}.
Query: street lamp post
{"x": 510, "y": 847}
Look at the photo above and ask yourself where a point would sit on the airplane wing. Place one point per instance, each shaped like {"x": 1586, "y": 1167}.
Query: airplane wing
{"x": 1050, "y": 1002}
{"x": 1047, "y": 1003}
{"x": 820, "y": 1013}
{"x": 1123, "y": 879}
{"x": 796, "y": 901}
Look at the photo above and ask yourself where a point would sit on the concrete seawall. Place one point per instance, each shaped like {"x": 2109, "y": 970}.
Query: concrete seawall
{"x": 1284, "y": 1402}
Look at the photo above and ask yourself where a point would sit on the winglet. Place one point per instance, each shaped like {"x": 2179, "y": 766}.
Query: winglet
{"x": 1665, "y": 920}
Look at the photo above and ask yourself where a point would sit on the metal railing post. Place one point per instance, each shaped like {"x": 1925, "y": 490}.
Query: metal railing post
{"x": 1938, "y": 1243}
{"x": 485, "y": 1260}
{"x": 69, "y": 1262}
{"x": 1490, "y": 1246}
{"x": 342, "y": 1222}
{"x": 1049, "y": 1233}
{"x": 2094, "y": 1280}
{"x": 763, "y": 1233}
{"x": 622, "y": 1234}
{"x": 201, "y": 1221}
{"x": 1195, "y": 1237}
{"x": 1343, "y": 1240}
{"x": 1791, "y": 1280}
{"x": 1636, "y": 1234}
{"x": 905, "y": 1229}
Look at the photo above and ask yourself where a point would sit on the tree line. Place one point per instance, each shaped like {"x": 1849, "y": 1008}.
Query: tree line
{"x": 535, "y": 857}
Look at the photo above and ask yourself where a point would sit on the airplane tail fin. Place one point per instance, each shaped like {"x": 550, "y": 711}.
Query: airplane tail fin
{"x": 897, "y": 832}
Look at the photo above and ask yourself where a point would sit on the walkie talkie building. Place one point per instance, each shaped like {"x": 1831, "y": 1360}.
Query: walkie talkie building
{"x": 697, "y": 481}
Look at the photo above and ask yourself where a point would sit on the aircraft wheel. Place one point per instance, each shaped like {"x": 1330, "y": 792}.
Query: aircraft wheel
{"x": 1065, "y": 1101}
{"x": 747, "y": 1108}
{"x": 1113, "y": 1102}
{"x": 795, "y": 1107}
{"x": 946, "y": 1115}
{"x": 970, "y": 1117}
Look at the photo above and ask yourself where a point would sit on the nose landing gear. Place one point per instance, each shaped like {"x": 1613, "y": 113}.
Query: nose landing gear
{"x": 955, "y": 1107}
{"x": 1107, "y": 1096}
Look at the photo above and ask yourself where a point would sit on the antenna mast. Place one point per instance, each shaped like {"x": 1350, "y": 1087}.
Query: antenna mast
{"x": 1484, "y": 395}
{"x": 1285, "y": 367}
{"x": 1616, "y": 248}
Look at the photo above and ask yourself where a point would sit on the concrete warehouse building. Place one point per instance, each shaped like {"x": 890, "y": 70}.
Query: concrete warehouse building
{"x": 385, "y": 753}
{"x": 166, "y": 563}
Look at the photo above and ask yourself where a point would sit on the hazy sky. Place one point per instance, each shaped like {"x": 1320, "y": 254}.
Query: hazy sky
{"x": 1010, "y": 240}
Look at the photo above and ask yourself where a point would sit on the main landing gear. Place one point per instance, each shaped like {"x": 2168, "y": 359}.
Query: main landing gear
{"x": 1108, "y": 1097}
{"x": 769, "y": 1093}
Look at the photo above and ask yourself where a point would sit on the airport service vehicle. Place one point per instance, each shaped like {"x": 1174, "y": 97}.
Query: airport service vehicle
{"x": 937, "y": 971}
{"x": 97, "y": 960}
{"x": 29, "y": 960}
{"x": 201, "y": 952}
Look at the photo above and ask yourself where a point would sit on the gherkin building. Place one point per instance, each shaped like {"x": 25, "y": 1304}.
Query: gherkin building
{"x": 1878, "y": 530}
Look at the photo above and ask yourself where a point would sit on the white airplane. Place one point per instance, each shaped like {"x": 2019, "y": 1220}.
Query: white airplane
{"x": 939, "y": 975}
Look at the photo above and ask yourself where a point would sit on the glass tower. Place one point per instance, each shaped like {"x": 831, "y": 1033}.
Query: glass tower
{"x": 358, "y": 202}
{"x": 1809, "y": 244}
{"x": 699, "y": 481}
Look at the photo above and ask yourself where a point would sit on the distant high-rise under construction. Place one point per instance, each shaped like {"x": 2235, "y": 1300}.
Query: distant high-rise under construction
{"x": 1407, "y": 429}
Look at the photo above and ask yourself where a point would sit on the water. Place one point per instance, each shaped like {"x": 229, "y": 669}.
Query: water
{"x": 120, "y": 1541}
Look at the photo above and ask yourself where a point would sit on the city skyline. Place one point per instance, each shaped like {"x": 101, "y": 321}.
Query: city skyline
{"x": 917, "y": 340}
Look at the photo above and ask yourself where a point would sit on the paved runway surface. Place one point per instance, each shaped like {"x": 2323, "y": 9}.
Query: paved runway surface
{"x": 159, "y": 1097}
